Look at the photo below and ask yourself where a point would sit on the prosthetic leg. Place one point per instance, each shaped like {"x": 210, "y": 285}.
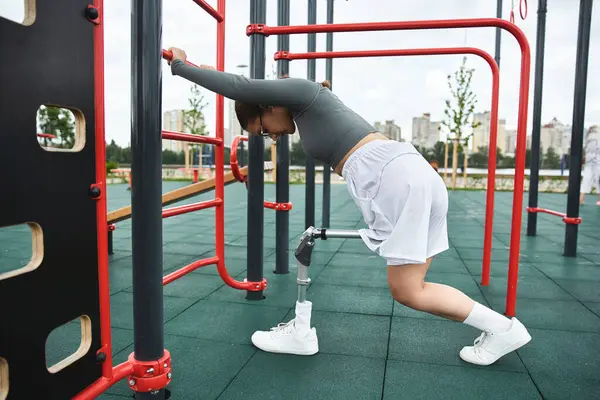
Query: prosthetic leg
{"x": 296, "y": 336}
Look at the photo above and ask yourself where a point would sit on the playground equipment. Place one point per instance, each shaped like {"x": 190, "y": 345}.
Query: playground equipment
{"x": 522, "y": 116}
{"x": 491, "y": 182}
{"x": 571, "y": 217}
{"x": 244, "y": 178}
{"x": 90, "y": 371}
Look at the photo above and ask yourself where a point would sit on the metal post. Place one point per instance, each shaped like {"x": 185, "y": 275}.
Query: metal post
{"x": 309, "y": 217}
{"x": 256, "y": 149}
{"x": 282, "y": 184}
{"x": 325, "y": 220}
{"x": 537, "y": 117}
{"x": 146, "y": 185}
{"x": 498, "y": 32}
{"x": 581, "y": 68}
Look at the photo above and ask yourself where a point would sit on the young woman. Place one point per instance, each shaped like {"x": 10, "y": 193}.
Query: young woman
{"x": 402, "y": 199}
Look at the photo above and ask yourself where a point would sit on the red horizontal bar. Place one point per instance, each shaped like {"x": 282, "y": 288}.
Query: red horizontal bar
{"x": 167, "y": 55}
{"x": 173, "y": 211}
{"x": 189, "y": 268}
{"x": 209, "y": 9}
{"x": 567, "y": 220}
{"x": 103, "y": 383}
{"x": 545, "y": 210}
{"x": 46, "y": 135}
{"x": 285, "y": 55}
{"x": 188, "y": 137}
{"x": 386, "y": 26}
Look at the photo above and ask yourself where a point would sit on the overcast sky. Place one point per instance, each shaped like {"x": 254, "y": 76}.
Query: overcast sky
{"x": 377, "y": 88}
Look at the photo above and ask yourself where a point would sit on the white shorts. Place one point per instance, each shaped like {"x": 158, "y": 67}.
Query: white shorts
{"x": 403, "y": 201}
{"x": 591, "y": 178}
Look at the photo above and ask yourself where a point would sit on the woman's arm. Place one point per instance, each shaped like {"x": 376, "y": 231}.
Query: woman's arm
{"x": 289, "y": 92}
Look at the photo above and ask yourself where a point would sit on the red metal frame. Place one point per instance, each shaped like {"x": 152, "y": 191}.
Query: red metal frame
{"x": 219, "y": 259}
{"x": 519, "y": 35}
{"x": 217, "y": 15}
{"x": 173, "y": 211}
{"x": 235, "y": 169}
{"x": 155, "y": 374}
{"x": 46, "y": 135}
{"x": 567, "y": 220}
{"x": 188, "y": 137}
{"x": 491, "y": 181}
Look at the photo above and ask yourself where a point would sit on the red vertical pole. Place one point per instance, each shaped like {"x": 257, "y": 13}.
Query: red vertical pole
{"x": 491, "y": 181}
{"x": 220, "y": 149}
{"x": 101, "y": 209}
{"x": 517, "y": 211}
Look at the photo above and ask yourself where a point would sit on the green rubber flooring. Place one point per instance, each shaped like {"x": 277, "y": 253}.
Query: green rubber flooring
{"x": 370, "y": 346}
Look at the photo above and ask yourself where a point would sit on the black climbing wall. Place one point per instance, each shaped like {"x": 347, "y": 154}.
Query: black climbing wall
{"x": 48, "y": 62}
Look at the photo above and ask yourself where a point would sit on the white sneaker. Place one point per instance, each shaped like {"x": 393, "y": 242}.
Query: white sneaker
{"x": 293, "y": 337}
{"x": 489, "y": 347}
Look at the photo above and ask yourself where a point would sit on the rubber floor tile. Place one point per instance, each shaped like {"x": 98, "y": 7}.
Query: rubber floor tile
{"x": 322, "y": 376}
{"x": 420, "y": 381}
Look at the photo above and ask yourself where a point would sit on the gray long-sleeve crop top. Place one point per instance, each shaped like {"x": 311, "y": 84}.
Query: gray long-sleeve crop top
{"x": 328, "y": 129}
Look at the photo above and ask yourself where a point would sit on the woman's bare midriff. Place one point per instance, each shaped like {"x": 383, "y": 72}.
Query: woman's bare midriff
{"x": 369, "y": 138}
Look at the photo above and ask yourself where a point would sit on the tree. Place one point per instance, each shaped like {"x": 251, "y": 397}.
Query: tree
{"x": 193, "y": 118}
{"x": 437, "y": 152}
{"x": 59, "y": 122}
{"x": 459, "y": 116}
{"x": 479, "y": 159}
{"x": 551, "y": 159}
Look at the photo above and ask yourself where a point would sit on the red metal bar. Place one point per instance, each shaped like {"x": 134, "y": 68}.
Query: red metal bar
{"x": 567, "y": 220}
{"x": 491, "y": 182}
{"x": 233, "y": 161}
{"x": 387, "y": 26}
{"x": 219, "y": 171}
{"x": 167, "y": 55}
{"x": 104, "y": 383}
{"x": 515, "y": 239}
{"x": 189, "y": 268}
{"x": 210, "y": 10}
{"x": 101, "y": 208}
{"x": 109, "y": 375}
{"x": 188, "y": 137}
{"x": 173, "y": 211}
{"x": 46, "y": 135}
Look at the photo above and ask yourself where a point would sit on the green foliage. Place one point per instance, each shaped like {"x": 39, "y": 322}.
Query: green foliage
{"x": 172, "y": 158}
{"x": 297, "y": 155}
{"x": 59, "y": 122}
{"x": 193, "y": 119}
{"x": 551, "y": 159}
{"x": 111, "y": 165}
{"x": 459, "y": 114}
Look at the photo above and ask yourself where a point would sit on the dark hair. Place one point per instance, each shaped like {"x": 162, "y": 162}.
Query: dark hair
{"x": 247, "y": 112}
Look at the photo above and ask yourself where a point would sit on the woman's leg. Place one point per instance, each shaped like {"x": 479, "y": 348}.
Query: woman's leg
{"x": 408, "y": 287}
{"x": 501, "y": 335}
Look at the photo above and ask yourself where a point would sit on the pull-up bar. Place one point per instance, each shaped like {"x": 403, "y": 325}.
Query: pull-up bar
{"x": 519, "y": 35}
{"x": 491, "y": 182}
{"x": 566, "y": 220}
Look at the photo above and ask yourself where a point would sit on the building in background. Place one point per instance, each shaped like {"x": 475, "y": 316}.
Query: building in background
{"x": 173, "y": 121}
{"x": 389, "y": 129}
{"x": 425, "y": 132}
{"x": 481, "y": 134}
{"x": 235, "y": 129}
{"x": 556, "y": 135}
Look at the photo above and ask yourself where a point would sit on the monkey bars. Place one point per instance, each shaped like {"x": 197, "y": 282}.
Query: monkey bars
{"x": 519, "y": 35}
{"x": 491, "y": 181}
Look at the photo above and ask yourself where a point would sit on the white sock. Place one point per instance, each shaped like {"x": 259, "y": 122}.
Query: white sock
{"x": 484, "y": 319}
{"x": 303, "y": 314}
